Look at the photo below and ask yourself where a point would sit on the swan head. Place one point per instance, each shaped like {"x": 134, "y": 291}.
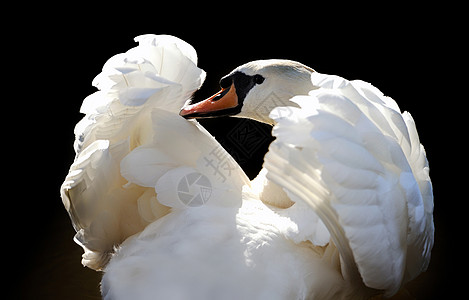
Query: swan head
{"x": 253, "y": 90}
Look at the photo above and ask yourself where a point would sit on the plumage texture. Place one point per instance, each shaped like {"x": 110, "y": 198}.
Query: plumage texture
{"x": 357, "y": 161}
{"x": 222, "y": 253}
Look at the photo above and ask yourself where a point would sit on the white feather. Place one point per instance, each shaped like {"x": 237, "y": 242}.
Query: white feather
{"x": 245, "y": 256}
{"x": 358, "y": 170}
{"x": 105, "y": 206}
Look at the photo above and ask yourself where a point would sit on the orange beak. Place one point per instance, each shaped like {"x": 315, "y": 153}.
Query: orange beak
{"x": 224, "y": 99}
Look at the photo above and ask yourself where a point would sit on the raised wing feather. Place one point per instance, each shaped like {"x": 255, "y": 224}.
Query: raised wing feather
{"x": 159, "y": 74}
{"x": 102, "y": 211}
{"x": 356, "y": 160}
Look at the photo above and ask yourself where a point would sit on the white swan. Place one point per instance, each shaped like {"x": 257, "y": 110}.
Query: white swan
{"x": 348, "y": 201}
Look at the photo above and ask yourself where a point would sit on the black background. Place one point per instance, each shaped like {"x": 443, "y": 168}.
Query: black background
{"x": 406, "y": 52}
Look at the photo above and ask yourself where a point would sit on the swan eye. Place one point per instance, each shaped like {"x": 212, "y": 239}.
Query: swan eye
{"x": 226, "y": 81}
{"x": 258, "y": 79}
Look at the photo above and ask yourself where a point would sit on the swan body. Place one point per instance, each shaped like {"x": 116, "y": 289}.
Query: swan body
{"x": 246, "y": 255}
{"x": 341, "y": 210}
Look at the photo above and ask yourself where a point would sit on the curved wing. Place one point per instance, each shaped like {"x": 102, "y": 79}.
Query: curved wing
{"x": 126, "y": 141}
{"x": 351, "y": 155}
